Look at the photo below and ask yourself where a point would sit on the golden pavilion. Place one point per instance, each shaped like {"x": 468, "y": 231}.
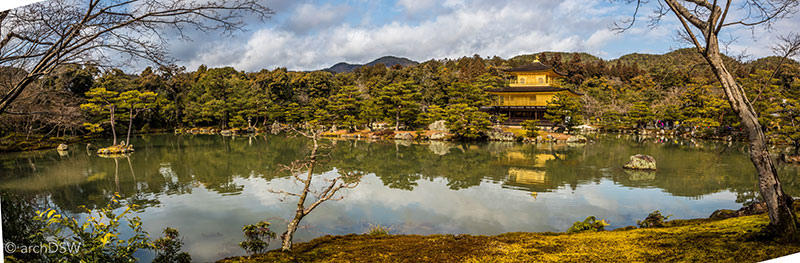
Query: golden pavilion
{"x": 527, "y": 93}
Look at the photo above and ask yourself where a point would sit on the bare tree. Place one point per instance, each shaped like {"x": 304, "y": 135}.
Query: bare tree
{"x": 39, "y": 37}
{"x": 701, "y": 22}
{"x": 324, "y": 193}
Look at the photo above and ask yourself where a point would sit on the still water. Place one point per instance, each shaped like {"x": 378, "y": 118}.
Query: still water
{"x": 208, "y": 187}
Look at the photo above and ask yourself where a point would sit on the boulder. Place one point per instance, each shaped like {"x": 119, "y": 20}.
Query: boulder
{"x": 438, "y": 126}
{"x": 577, "y": 139}
{"x": 226, "y": 132}
{"x": 404, "y": 136}
{"x": 752, "y": 209}
{"x": 439, "y": 136}
{"x": 641, "y": 162}
{"x": 275, "y": 128}
{"x": 529, "y": 140}
{"x": 792, "y": 158}
{"x": 62, "y": 147}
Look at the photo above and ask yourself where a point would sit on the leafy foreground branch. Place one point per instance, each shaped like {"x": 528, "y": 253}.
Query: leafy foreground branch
{"x": 697, "y": 240}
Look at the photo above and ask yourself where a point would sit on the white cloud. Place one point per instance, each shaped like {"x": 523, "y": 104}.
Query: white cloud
{"x": 310, "y": 16}
{"x": 317, "y": 36}
{"x": 471, "y": 27}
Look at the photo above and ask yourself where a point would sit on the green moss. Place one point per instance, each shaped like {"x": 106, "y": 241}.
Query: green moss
{"x": 698, "y": 240}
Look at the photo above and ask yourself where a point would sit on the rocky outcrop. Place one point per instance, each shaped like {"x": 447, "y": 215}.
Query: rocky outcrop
{"x": 438, "y": 126}
{"x": 752, "y": 209}
{"x": 641, "y": 162}
{"x": 404, "y": 136}
{"x": 62, "y": 147}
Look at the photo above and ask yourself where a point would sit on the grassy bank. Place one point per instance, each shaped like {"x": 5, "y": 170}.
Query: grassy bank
{"x": 697, "y": 240}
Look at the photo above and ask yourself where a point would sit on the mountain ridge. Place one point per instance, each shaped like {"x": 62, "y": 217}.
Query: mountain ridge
{"x": 388, "y": 61}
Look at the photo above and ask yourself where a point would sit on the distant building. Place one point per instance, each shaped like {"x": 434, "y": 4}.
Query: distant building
{"x": 527, "y": 94}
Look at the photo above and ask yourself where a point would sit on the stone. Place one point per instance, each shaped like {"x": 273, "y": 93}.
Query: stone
{"x": 439, "y": 136}
{"x": 226, "y": 132}
{"x": 62, "y": 147}
{"x": 641, "y": 162}
{"x": 550, "y": 138}
{"x": 438, "y": 126}
{"x": 752, "y": 209}
{"x": 577, "y": 139}
{"x": 792, "y": 158}
{"x": 275, "y": 128}
{"x": 529, "y": 140}
{"x": 404, "y": 136}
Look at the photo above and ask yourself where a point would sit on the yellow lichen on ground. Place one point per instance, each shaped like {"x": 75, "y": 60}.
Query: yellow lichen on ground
{"x": 701, "y": 240}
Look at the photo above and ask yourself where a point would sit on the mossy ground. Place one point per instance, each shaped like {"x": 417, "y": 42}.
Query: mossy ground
{"x": 699, "y": 240}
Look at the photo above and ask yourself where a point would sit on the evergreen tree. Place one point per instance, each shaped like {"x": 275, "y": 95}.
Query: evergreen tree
{"x": 640, "y": 115}
{"x": 101, "y": 102}
{"x": 564, "y": 111}
{"x": 399, "y": 102}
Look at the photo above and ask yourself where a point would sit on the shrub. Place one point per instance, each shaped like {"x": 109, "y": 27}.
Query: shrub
{"x": 378, "y": 230}
{"x": 531, "y": 127}
{"x": 588, "y": 224}
{"x": 98, "y": 238}
{"x": 168, "y": 248}
{"x": 257, "y": 238}
{"x": 654, "y": 219}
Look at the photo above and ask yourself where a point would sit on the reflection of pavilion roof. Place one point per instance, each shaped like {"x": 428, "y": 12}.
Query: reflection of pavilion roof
{"x": 527, "y": 176}
{"x": 520, "y": 159}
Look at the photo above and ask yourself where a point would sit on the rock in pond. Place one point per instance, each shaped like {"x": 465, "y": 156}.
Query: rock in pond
{"x": 404, "y": 136}
{"x": 438, "y": 126}
{"x": 62, "y": 147}
{"x": 641, "y": 162}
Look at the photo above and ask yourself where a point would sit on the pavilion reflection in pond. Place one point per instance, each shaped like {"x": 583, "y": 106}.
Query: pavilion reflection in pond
{"x": 526, "y": 170}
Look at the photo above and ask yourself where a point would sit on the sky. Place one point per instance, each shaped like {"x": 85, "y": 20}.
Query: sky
{"x": 315, "y": 34}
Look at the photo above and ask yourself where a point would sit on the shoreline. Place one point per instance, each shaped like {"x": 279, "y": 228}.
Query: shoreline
{"x": 696, "y": 240}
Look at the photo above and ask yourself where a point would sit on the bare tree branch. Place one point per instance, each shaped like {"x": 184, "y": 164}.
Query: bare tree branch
{"x": 44, "y": 35}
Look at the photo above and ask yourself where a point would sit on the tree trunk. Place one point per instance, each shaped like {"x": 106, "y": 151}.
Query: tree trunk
{"x": 397, "y": 119}
{"x": 130, "y": 126}
{"x": 113, "y": 131}
{"x": 783, "y": 221}
{"x": 301, "y": 210}
{"x": 287, "y": 236}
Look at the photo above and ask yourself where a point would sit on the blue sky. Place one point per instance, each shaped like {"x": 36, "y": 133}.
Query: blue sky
{"x": 315, "y": 34}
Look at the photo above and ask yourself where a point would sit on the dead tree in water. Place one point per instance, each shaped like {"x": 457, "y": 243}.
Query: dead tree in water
{"x": 701, "y": 22}
{"x": 303, "y": 172}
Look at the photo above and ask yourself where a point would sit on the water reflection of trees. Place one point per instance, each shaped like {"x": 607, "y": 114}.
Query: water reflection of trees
{"x": 172, "y": 165}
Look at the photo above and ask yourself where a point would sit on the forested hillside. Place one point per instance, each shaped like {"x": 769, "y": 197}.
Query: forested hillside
{"x": 633, "y": 90}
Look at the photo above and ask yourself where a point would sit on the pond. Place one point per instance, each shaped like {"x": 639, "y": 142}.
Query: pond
{"x": 208, "y": 186}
